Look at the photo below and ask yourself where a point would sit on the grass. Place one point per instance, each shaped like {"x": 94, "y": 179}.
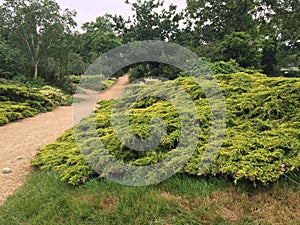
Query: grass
{"x": 44, "y": 199}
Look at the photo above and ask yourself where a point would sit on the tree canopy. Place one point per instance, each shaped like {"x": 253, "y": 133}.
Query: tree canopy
{"x": 36, "y": 27}
{"x": 151, "y": 21}
{"x": 274, "y": 23}
{"x": 261, "y": 34}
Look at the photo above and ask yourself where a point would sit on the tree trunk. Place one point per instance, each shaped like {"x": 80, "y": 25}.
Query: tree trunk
{"x": 35, "y": 71}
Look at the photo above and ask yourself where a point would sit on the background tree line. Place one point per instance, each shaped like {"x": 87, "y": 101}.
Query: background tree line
{"x": 37, "y": 38}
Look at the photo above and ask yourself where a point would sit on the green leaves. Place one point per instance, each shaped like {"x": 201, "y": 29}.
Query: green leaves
{"x": 241, "y": 47}
{"x": 18, "y": 102}
{"x": 148, "y": 23}
{"x": 98, "y": 38}
{"x": 214, "y": 19}
{"x": 9, "y": 67}
{"x": 275, "y": 23}
{"x": 36, "y": 27}
{"x": 261, "y": 144}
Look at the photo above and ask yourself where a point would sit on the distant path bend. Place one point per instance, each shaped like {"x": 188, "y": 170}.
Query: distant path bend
{"x": 20, "y": 140}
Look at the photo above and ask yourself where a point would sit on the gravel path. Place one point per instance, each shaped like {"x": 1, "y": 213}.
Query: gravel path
{"x": 20, "y": 140}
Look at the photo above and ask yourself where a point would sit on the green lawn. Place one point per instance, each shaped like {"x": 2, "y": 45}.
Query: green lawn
{"x": 180, "y": 200}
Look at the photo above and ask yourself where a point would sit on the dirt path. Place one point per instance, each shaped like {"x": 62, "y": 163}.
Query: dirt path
{"x": 20, "y": 140}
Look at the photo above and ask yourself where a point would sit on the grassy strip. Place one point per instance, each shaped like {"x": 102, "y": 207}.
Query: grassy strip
{"x": 180, "y": 200}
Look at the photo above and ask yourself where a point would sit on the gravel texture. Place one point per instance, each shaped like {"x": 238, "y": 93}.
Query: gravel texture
{"x": 20, "y": 140}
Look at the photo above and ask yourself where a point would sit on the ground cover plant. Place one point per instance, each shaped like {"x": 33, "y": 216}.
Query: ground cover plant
{"x": 18, "y": 102}
{"x": 261, "y": 144}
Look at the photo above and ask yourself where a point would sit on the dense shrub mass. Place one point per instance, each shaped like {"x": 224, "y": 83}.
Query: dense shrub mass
{"x": 262, "y": 137}
{"x": 222, "y": 67}
{"x": 18, "y": 102}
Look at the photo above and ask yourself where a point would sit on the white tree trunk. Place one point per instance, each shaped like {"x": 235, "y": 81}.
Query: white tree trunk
{"x": 35, "y": 70}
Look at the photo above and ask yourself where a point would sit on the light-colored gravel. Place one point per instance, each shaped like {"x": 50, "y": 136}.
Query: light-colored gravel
{"x": 20, "y": 140}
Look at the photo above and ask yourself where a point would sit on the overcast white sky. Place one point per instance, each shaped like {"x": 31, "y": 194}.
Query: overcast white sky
{"x": 88, "y": 10}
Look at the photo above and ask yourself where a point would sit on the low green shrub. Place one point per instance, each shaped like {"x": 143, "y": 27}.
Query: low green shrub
{"x": 3, "y": 81}
{"x": 56, "y": 96}
{"x": 74, "y": 78}
{"x": 21, "y": 80}
{"x": 10, "y": 111}
{"x": 222, "y": 67}
{"x": 262, "y": 137}
{"x": 146, "y": 70}
{"x": 18, "y": 102}
{"x": 196, "y": 66}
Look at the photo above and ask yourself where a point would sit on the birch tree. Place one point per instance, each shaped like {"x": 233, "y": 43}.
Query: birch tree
{"x": 36, "y": 26}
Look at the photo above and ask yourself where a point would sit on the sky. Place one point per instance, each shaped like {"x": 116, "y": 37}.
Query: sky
{"x": 88, "y": 10}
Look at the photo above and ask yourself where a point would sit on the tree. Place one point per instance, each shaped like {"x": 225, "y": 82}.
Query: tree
{"x": 150, "y": 22}
{"x": 76, "y": 64}
{"x": 275, "y": 23}
{"x": 269, "y": 59}
{"x": 9, "y": 60}
{"x": 278, "y": 24}
{"x": 98, "y": 38}
{"x": 242, "y": 48}
{"x": 36, "y": 27}
{"x": 214, "y": 18}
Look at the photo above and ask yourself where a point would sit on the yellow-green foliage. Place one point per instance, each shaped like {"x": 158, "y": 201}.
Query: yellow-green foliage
{"x": 18, "y": 102}
{"x": 55, "y": 95}
{"x": 262, "y": 137}
{"x": 75, "y": 78}
{"x": 64, "y": 157}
